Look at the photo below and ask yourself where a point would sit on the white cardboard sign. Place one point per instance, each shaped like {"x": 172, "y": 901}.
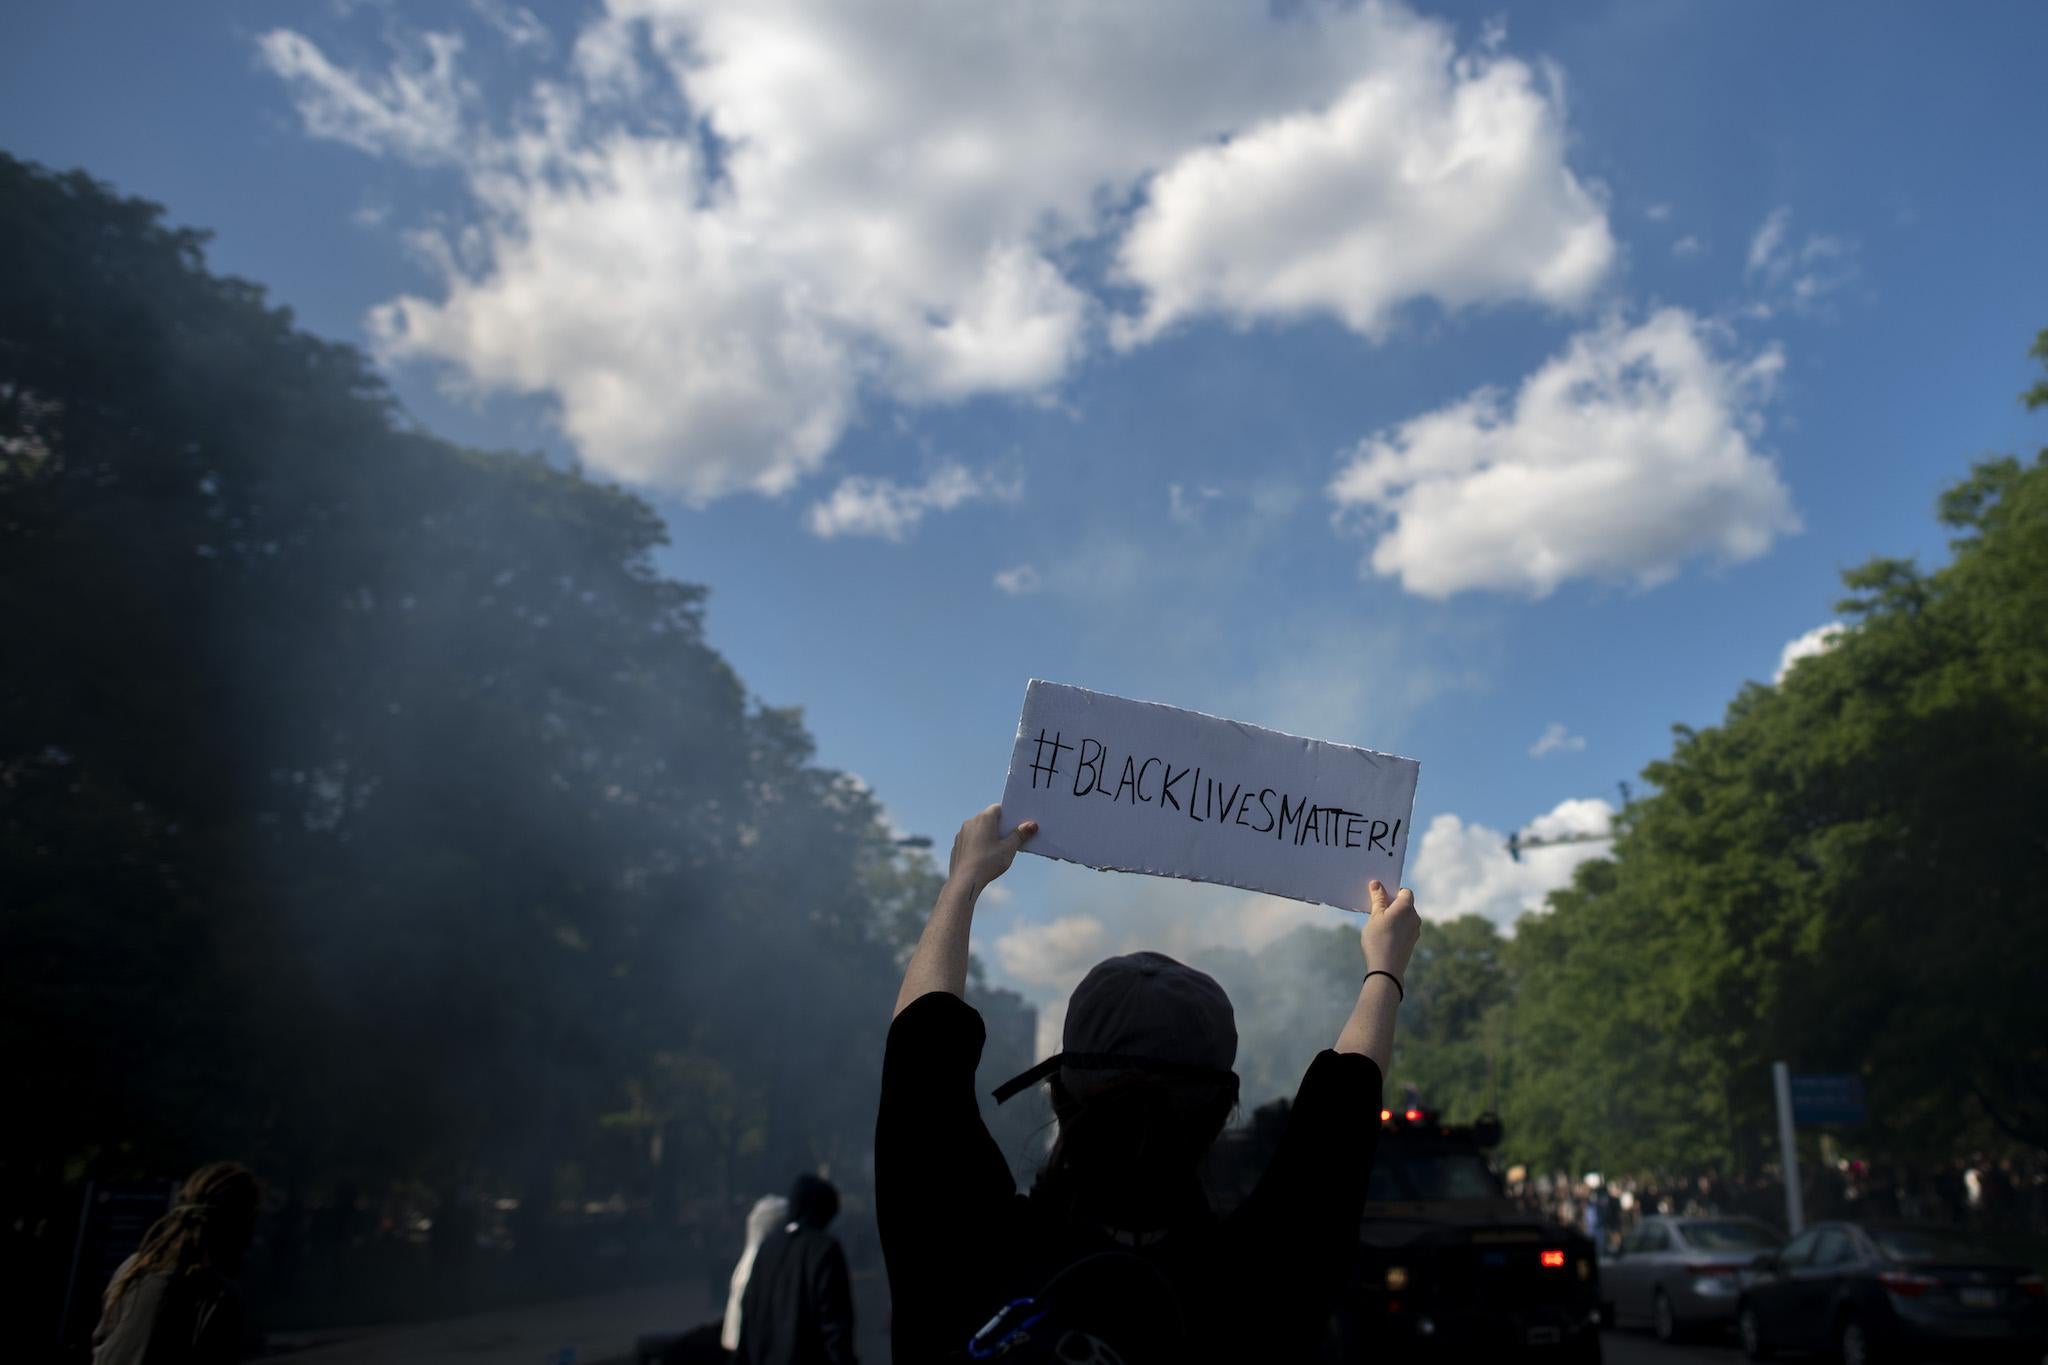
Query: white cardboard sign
{"x": 1133, "y": 786}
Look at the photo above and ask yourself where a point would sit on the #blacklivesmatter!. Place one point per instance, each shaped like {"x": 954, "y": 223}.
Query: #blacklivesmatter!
{"x": 1205, "y": 799}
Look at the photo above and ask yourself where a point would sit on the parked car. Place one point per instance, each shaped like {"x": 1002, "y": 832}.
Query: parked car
{"x": 1677, "y": 1275}
{"x": 1876, "y": 1290}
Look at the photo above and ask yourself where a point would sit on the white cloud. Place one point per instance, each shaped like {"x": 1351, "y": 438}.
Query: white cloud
{"x": 1556, "y": 739}
{"x": 1020, "y": 581}
{"x": 1819, "y": 640}
{"x": 518, "y": 26}
{"x": 1622, "y": 458}
{"x": 1658, "y": 213}
{"x": 1428, "y": 175}
{"x": 1770, "y": 237}
{"x": 415, "y": 111}
{"x": 1685, "y": 248}
{"x": 1800, "y": 276}
{"x": 862, "y": 506}
{"x": 711, "y": 229}
{"x": 1462, "y": 869}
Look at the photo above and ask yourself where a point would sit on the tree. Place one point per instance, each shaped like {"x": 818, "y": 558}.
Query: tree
{"x": 372, "y": 807}
{"x": 1844, "y": 873}
{"x": 1449, "y": 1041}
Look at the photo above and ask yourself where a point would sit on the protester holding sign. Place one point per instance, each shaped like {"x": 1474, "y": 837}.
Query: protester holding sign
{"x": 1115, "y": 1246}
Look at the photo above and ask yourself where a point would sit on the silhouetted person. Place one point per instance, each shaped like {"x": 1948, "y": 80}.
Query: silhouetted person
{"x": 174, "y": 1302}
{"x": 1115, "y": 1254}
{"x": 798, "y": 1304}
{"x": 770, "y": 1212}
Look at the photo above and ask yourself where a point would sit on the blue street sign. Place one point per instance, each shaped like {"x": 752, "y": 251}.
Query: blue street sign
{"x": 1823, "y": 1100}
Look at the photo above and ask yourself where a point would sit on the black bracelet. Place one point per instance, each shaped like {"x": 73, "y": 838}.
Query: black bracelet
{"x": 1399, "y": 994}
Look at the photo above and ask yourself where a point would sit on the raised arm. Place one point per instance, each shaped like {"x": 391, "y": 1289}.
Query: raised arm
{"x": 981, "y": 853}
{"x": 1388, "y": 939}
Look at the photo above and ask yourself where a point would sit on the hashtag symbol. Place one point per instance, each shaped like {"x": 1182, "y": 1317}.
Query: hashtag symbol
{"x": 1038, "y": 763}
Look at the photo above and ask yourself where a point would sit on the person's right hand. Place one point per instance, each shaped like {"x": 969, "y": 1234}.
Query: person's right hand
{"x": 982, "y": 852}
{"x": 1390, "y": 931}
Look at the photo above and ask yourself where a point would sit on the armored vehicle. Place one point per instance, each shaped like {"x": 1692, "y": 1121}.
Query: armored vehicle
{"x": 1447, "y": 1266}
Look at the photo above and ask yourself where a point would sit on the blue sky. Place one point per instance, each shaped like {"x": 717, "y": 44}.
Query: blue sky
{"x": 1411, "y": 378}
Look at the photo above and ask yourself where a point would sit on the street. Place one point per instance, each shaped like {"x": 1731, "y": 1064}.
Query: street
{"x": 593, "y": 1331}
{"x": 596, "y": 1330}
{"x": 1630, "y": 1347}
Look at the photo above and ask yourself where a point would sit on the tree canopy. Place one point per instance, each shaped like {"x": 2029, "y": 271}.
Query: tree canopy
{"x": 1845, "y": 874}
{"x": 371, "y": 806}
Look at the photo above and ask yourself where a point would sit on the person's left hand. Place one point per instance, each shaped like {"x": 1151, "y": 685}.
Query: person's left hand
{"x": 1390, "y": 930}
{"x": 982, "y": 852}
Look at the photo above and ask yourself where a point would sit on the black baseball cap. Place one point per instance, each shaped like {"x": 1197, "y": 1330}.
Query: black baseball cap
{"x": 1141, "y": 1012}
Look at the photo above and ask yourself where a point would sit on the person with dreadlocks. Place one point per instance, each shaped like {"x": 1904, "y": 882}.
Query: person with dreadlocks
{"x": 1114, "y": 1254}
{"x": 174, "y": 1301}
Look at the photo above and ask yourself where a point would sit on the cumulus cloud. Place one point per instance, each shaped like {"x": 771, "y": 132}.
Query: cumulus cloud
{"x": 711, "y": 229}
{"x": 1685, "y": 248}
{"x": 1464, "y": 869}
{"x": 1623, "y": 458}
{"x": 1799, "y": 275}
{"x": 1819, "y": 640}
{"x": 1428, "y": 175}
{"x": 1019, "y": 581}
{"x": 888, "y": 510}
{"x": 1555, "y": 739}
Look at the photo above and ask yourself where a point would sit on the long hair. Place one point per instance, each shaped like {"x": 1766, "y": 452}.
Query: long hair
{"x": 210, "y": 1225}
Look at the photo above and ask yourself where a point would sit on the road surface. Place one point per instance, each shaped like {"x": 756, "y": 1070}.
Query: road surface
{"x": 1640, "y": 1348}
{"x": 599, "y": 1329}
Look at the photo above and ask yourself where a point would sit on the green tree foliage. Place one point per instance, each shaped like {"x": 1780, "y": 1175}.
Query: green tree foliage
{"x": 373, "y": 806}
{"x": 1847, "y": 873}
{"x": 1449, "y": 1043}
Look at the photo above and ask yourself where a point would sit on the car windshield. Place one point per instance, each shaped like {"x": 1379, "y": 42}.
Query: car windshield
{"x": 1729, "y": 1236}
{"x": 1928, "y": 1244}
{"x": 1430, "y": 1175}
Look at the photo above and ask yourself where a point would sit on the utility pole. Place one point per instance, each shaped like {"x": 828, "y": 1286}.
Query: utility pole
{"x": 1788, "y": 1146}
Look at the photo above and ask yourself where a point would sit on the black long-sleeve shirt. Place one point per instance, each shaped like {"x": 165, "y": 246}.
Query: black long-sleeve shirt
{"x": 960, "y": 1241}
{"x": 798, "y": 1308}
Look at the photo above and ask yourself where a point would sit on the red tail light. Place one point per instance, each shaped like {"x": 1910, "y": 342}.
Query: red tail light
{"x": 1906, "y": 1284}
{"x": 1712, "y": 1269}
{"x": 1413, "y": 1116}
{"x": 2031, "y": 1286}
{"x": 1386, "y": 1116}
{"x": 1552, "y": 1260}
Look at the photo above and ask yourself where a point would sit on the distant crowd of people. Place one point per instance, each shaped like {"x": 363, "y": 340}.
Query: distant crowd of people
{"x": 1978, "y": 1193}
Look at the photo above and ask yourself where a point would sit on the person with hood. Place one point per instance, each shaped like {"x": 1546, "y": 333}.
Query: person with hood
{"x": 1114, "y": 1254}
{"x": 798, "y": 1305}
{"x": 174, "y": 1301}
{"x": 770, "y": 1212}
